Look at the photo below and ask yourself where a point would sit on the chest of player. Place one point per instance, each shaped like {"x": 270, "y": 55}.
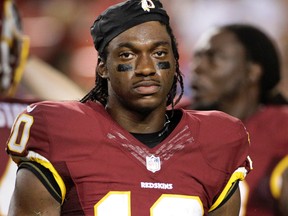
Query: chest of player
{"x": 119, "y": 174}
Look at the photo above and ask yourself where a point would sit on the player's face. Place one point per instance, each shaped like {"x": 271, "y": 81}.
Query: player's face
{"x": 219, "y": 70}
{"x": 140, "y": 67}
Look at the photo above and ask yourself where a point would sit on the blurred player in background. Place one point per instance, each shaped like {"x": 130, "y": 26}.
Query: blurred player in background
{"x": 14, "y": 50}
{"x": 236, "y": 69}
{"x": 40, "y": 78}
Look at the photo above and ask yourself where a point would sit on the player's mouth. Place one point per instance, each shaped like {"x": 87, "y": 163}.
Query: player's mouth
{"x": 146, "y": 87}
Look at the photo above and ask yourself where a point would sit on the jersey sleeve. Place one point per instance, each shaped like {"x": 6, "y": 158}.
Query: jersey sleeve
{"x": 225, "y": 145}
{"x": 30, "y": 141}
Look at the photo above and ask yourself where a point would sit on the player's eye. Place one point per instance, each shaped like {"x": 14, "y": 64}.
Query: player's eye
{"x": 126, "y": 55}
{"x": 160, "y": 54}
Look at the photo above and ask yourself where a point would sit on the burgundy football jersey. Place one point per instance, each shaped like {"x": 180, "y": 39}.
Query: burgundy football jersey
{"x": 9, "y": 109}
{"x": 268, "y": 131}
{"x": 103, "y": 170}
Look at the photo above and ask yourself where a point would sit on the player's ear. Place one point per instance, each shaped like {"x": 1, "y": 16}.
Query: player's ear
{"x": 102, "y": 69}
{"x": 255, "y": 72}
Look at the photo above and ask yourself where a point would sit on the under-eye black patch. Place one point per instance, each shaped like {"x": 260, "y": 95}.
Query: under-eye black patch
{"x": 163, "y": 65}
{"x": 124, "y": 67}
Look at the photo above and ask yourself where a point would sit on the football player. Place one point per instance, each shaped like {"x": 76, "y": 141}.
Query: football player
{"x": 14, "y": 50}
{"x": 236, "y": 67}
{"x": 120, "y": 151}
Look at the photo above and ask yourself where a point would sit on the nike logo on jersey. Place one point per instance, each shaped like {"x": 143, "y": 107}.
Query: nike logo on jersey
{"x": 30, "y": 109}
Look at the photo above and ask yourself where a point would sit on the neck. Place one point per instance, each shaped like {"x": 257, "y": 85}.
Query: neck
{"x": 239, "y": 109}
{"x": 137, "y": 122}
{"x": 242, "y": 106}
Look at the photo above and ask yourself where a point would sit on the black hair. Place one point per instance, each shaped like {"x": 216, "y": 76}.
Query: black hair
{"x": 261, "y": 49}
{"x": 100, "y": 91}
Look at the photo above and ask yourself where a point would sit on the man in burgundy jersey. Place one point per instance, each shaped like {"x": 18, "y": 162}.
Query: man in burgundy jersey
{"x": 235, "y": 69}
{"x": 120, "y": 151}
{"x": 13, "y": 53}
{"x": 14, "y": 48}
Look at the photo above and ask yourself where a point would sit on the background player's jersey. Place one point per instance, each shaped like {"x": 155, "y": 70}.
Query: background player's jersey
{"x": 269, "y": 150}
{"x": 9, "y": 109}
{"x": 104, "y": 169}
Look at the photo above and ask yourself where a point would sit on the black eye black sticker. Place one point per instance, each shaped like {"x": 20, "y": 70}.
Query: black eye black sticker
{"x": 163, "y": 65}
{"x": 124, "y": 67}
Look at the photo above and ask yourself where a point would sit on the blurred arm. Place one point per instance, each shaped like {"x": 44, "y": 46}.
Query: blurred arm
{"x": 47, "y": 83}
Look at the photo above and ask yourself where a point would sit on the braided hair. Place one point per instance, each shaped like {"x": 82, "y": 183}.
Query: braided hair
{"x": 100, "y": 91}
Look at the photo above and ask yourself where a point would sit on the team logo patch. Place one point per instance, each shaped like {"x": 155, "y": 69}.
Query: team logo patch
{"x": 153, "y": 163}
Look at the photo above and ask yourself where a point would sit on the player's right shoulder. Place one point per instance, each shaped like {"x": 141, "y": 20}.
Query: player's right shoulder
{"x": 50, "y": 111}
{"x": 52, "y": 106}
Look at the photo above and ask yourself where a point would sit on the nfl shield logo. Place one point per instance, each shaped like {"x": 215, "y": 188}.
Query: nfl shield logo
{"x": 153, "y": 163}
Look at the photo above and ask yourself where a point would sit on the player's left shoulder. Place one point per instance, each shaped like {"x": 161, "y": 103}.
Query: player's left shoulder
{"x": 279, "y": 111}
{"x": 217, "y": 120}
{"x": 222, "y": 116}
{"x": 274, "y": 114}
{"x": 222, "y": 138}
{"x": 217, "y": 129}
